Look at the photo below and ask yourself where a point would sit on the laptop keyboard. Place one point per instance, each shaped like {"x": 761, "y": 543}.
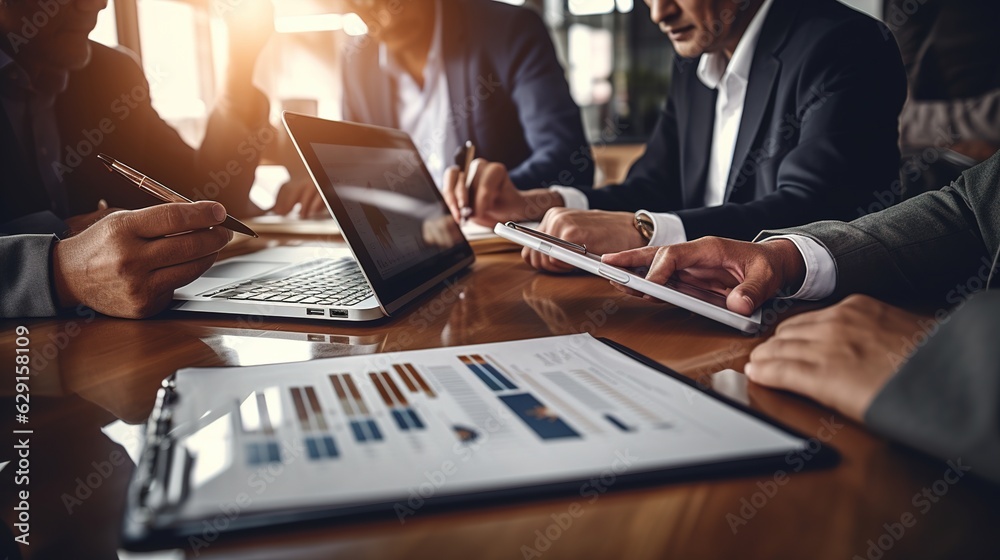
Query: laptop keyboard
{"x": 320, "y": 282}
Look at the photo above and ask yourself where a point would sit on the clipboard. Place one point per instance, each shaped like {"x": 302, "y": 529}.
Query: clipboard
{"x": 155, "y": 516}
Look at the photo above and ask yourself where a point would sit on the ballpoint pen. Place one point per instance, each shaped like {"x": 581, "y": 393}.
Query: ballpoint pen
{"x": 164, "y": 193}
{"x": 463, "y": 158}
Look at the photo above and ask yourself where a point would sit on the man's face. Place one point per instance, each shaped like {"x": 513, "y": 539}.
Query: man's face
{"x": 394, "y": 22}
{"x": 696, "y": 27}
{"x": 49, "y": 33}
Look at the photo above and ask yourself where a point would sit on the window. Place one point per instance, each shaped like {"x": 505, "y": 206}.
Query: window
{"x": 183, "y": 49}
{"x": 177, "y": 58}
{"x": 618, "y": 65}
{"x": 106, "y": 31}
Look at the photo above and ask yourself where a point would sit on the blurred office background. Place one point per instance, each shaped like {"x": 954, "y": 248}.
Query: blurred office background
{"x": 618, "y": 64}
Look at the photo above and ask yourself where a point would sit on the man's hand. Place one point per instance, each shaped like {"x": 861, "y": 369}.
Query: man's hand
{"x": 841, "y": 356}
{"x": 77, "y": 224}
{"x": 602, "y": 232}
{"x": 494, "y": 198}
{"x": 304, "y": 193}
{"x": 125, "y": 266}
{"x": 748, "y": 274}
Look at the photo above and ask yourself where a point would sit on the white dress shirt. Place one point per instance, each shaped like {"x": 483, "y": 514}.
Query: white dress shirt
{"x": 424, "y": 112}
{"x": 821, "y": 270}
{"x": 730, "y": 78}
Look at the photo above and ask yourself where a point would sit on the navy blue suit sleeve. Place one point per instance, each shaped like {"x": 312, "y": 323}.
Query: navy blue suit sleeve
{"x": 550, "y": 118}
{"x": 653, "y": 182}
{"x": 849, "y": 96}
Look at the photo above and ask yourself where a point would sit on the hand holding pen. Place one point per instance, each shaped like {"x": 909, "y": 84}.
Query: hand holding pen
{"x": 162, "y": 192}
{"x": 128, "y": 263}
{"x": 482, "y": 191}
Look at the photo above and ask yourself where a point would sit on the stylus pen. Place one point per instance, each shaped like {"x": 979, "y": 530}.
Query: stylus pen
{"x": 463, "y": 158}
{"x": 164, "y": 193}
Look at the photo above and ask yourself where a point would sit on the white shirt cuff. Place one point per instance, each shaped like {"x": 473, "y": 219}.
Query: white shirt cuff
{"x": 573, "y": 198}
{"x": 821, "y": 270}
{"x": 669, "y": 229}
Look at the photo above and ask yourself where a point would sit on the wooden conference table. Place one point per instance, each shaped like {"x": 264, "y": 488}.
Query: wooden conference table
{"x": 91, "y": 371}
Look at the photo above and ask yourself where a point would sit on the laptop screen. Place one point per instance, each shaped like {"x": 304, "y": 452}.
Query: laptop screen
{"x": 396, "y": 215}
{"x": 386, "y": 203}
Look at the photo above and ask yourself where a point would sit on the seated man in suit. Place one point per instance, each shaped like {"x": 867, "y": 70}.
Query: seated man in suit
{"x": 930, "y": 382}
{"x": 780, "y": 112}
{"x": 66, "y": 99}
{"x": 456, "y": 70}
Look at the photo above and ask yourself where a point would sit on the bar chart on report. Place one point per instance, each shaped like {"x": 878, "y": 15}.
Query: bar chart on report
{"x": 380, "y": 426}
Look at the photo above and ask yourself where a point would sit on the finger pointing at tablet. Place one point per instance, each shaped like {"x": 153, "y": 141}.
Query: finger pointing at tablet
{"x": 757, "y": 271}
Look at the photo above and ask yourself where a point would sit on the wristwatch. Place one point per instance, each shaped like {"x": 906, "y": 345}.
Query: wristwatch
{"x": 645, "y": 225}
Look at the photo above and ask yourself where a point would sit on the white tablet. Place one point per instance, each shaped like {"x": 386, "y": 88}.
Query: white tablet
{"x": 703, "y": 302}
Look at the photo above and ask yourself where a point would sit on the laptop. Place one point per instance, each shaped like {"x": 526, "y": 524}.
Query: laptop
{"x": 401, "y": 239}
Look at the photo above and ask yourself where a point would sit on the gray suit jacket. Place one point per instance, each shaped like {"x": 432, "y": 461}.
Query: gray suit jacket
{"x": 946, "y": 399}
{"x": 24, "y": 266}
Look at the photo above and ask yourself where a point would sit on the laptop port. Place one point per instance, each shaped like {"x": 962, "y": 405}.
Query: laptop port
{"x": 339, "y": 313}
{"x": 314, "y": 311}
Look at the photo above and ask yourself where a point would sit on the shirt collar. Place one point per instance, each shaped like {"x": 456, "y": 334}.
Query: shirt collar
{"x": 713, "y": 67}
{"x": 388, "y": 63}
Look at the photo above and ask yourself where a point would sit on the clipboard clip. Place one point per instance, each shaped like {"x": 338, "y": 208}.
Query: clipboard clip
{"x": 153, "y": 468}
{"x": 582, "y": 249}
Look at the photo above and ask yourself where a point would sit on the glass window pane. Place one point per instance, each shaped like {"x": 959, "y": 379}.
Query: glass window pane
{"x": 170, "y": 57}
{"x": 106, "y": 31}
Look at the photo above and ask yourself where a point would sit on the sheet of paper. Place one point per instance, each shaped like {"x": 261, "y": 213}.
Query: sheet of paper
{"x": 293, "y": 226}
{"x": 482, "y": 238}
{"x": 388, "y": 427}
{"x": 484, "y": 241}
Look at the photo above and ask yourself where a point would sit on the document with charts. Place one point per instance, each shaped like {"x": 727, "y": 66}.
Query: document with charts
{"x": 395, "y": 431}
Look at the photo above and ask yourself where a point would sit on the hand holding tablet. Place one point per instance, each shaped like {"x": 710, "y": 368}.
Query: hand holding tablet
{"x": 687, "y": 296}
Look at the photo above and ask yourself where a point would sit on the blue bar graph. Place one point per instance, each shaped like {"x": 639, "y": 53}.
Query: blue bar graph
{"x": 617, "y": 423}
{"x": 365, "y": 430}
{"x": 261, "y": 452}
{"x": 487, "y": 373}
{"x": 541, "y": 419}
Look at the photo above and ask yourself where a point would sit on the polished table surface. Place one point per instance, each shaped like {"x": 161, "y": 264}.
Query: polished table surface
{"x": 91, "y": 371}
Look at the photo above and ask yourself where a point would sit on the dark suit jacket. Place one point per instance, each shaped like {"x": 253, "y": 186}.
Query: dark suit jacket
{"x": 818, "y": 135}
{"x": 106, "y": 108}
{"x": 940, "y": 245}
{"x": 951, "y": 51}
{"x": 950, "y": 48}
{"x": 508, "y": 93}
{"x": 113, "y": 90}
